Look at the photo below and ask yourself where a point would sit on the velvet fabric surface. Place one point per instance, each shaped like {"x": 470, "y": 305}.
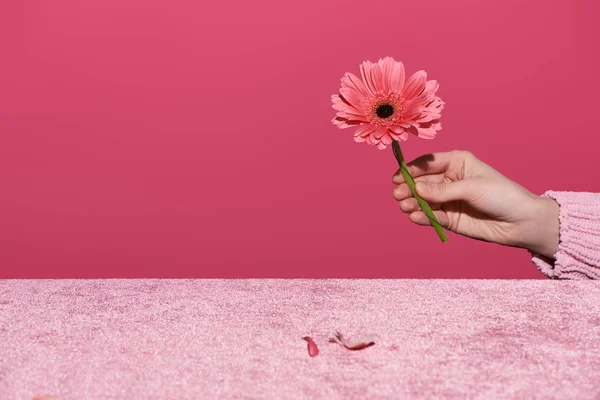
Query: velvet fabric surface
{"x": 201, "y": 339}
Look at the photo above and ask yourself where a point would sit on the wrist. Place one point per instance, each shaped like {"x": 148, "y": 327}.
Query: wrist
{"x": 545, "y": 227}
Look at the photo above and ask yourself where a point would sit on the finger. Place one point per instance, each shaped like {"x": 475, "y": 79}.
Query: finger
{"x": 419, "y": 218}
{"x": 437, "y": 163}
{"x": 411, "y": 205}
{"x": 444, "y": 192}
{"x": 424, "y": 165}
{"x": 435, "y": 178}
{"x": 403, "y": 191}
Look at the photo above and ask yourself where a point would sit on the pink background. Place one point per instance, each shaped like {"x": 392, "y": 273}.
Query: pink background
{"x": 162, "y": 138}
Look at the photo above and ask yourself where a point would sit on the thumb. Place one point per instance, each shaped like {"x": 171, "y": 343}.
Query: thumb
{"x": 443, "y": 192}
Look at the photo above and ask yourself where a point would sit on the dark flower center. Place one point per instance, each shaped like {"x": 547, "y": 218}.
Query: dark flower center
{"x": 384, "y": 111}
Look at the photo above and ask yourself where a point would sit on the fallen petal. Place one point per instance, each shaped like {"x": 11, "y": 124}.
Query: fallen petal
{"x": 359, "y": 344}
{"x": 46, "y": 398}
{"x": 313, "y": 350}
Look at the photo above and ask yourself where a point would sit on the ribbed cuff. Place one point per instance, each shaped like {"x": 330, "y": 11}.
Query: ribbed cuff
{"x": 578, "y": 252}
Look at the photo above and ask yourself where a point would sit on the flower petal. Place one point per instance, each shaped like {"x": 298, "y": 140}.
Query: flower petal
{"x": 397, "y": 129}
{"x": 397, "y": 77}
{"x": 352, "y": 96}
{"x": 343, "y": 123}
{"x": 379, "y": 132}
{"x": 352, "y": 81}
{"x": 426, "y": 133}
{"x": 338, "y": 121}
{"x": 340, "y": 105}
{"x": 431, "y": 112}
{"x": 386, "y": 65}
{"x": 413, "y": 130}
{"x": 365, "y": 73}
{"x": 426, "y": 97}
{"x": 377, "y": 79}
{"x": 434, "y": 124}
{"x": 415, "y": 85}
{"x": 365, "y": 130}
{"x": 313, "y": 349}
{"x": 359, "y": 344}
{"x": 431, "y": 87}
{"x": 413, "y": 113}
{"x": 387, "y": 139}
{"x": 351, "y": 117}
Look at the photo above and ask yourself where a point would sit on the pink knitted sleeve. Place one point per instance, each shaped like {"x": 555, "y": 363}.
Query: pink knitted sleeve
{"x": 578, "y": 254}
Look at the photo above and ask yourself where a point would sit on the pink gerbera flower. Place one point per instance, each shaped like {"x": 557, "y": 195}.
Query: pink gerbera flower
{"x": 386, "y": 108}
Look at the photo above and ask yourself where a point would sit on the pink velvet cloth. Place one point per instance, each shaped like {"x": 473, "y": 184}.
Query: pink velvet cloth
{"x": 578, "y": 254}
{"x": 207, "y": 339}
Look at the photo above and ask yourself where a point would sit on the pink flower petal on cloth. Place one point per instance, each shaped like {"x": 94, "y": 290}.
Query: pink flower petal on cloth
{"x": 359, "y": 344}
{"x": 313, "y": 350}
{"x": 415, "y": 85}
{"x": 46, "y": 398}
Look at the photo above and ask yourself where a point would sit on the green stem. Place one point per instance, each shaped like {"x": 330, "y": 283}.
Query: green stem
{"x": 411, "y": 184}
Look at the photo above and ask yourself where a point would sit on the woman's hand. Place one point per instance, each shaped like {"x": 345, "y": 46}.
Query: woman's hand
{"x": 472, "y": 199}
